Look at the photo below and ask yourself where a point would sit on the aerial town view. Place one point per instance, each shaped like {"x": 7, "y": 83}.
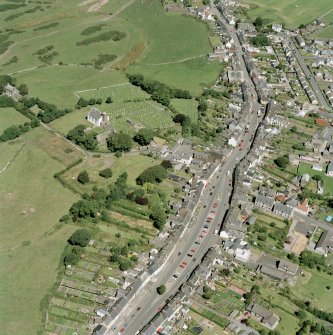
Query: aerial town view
{"x": 166, "y": 167}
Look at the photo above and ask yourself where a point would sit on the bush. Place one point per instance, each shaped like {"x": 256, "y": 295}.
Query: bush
{"x": 119, "y": 142}
{"x": 282, "y": 161}
{"x": 80, "y": 237}
{"x": 144, "y": 136}
{"x": 83, "y": 177}
{"x": 106, "y": 173}
{"x": 71, "y": 259}
{"x": 161, "y": 289}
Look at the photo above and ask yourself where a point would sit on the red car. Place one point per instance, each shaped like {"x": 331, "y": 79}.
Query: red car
{"x": 193, "y": 250}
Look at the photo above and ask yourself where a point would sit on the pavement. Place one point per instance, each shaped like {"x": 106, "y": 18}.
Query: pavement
{"x": 147, "y": 303}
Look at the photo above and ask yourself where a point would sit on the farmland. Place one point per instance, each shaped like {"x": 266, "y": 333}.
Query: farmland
{"x": 290, "y": 12}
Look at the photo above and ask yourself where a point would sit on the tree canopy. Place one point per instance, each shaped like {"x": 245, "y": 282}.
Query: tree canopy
{"x": 144, "y": 136}
{"x": 80, "y": 237}
{"x": 106, "y": 173}
{"x": 282, "y": 161}
{"x": 83, "y": 177}
{"x": 161, "y": 289}
{"x": 83, "y": 139}
{"x": 119, "y": 142}
{"x": 153, "y": 174}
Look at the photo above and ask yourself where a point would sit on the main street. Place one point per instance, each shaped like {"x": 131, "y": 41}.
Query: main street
{"x": 196, "y": 241}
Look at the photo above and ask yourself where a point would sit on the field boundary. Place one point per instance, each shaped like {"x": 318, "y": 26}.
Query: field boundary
{"x": 11, "y": 159}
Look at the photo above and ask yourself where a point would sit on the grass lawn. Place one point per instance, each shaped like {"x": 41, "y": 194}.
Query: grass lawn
{"x": 200, "y": 320}
{"x": 187, "y": 107}
{"x": 313, "y": 287}
{"x": 10, "y": 117}
{"x": 8, "y": 150}
{"x": 328, "y": 181}
{"x": 290, "y": 12}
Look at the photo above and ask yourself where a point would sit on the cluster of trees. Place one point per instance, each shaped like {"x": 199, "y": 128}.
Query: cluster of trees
{"x": 215, "y": 94}
{"x": 49, "y": 112}
{"x": 153, "y": 174}
{"x": 159, "y": 92}
{"x": 81, "y": 138}
{"x": 312, "y": 260}
{"x": 144, "y": 136}
{"x": 81, "y": 103}
{"x": 119, "y": 142}
{"x": 260, "y": 41}
{"x": 319, "y": 313}
{"x": 13, "y": 132}
{"x": 188, "y": 128}
{"x": 79, "y": 240}
{"x": 119, "y": 255}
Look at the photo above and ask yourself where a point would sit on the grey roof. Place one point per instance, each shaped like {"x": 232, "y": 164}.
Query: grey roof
{"x": 95, "y": 113}
{"x": 264, "y": 200}
{"x": 326, "y": 240}
{"x": 281, "y": 208}
{"x": 288, "y": 266}
{"x": 330, "y": 166}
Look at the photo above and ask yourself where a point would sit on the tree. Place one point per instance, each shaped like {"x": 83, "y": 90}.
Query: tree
{"x": 23, "y": 89}
{"x": 179, "y": 118}
{"x": 99, "y": 101}
{"x": 80, "y": 237}
{"x": 71, "y": 259}
{"x": 301, "y": 314}
{"x": 144, "y": 136}
{"x": 121, "y": 180}
{"x": 161, "y": 289}
{"x": 10, "y": 133}
{"x": 317, "y": 177}
{"x": 202, "y": 107}
{"x": 119, "y": 142}
{"x": 83, "y": 139}
{"x": 282, "y": 161}
{"x": 158, "y": 216}
{"x": 166, "y": 164}
{"x": 258, "y": 22}
{"x": 260, "y": 41}
{"x": 92, "y": 101}
{"x": 83, "y": 177}
{"x": 82, "y": 103}
{"x": 108, "y": 100}
{"x": 154, "y": 174}
{"x": 106, "y": 173}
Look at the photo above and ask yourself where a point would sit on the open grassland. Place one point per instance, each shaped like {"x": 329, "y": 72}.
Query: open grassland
{"x": 290, "y": 12}
{"x": 32, "y": 202}
{"x": 193, "y": 74}
{"x": 57, "y": 84}
{"x": 26, "y": 275}
{"x": 10, "y": 117}
{"x": 313, "y": 286}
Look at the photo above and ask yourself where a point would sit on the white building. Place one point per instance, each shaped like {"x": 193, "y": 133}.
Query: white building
{"x": 277, "y": 27}
{"x": 97, "y": 118}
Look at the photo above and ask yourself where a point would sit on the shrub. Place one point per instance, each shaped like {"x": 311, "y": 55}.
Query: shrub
{"x": 80, "y": 237}
{"x": 106, "y": 173}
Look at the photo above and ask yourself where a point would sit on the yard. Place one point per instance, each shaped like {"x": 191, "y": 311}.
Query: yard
{"x": 313, "y": 286}
{"x": 328, "y": 181}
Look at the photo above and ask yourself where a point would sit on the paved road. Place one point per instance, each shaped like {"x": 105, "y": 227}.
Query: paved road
{"x": 147, "y": 303}
{"x": 309, "y": 75}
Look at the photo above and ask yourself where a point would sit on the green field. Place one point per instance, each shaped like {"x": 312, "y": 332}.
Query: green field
{"x": 10, "y": 117}
{"x": 290, "y": 12}
{"x": 32, "y": 202}
{"x": 187, "y": 107}
{"x": 313, "y": 287}
{"x": 328, "y": 181}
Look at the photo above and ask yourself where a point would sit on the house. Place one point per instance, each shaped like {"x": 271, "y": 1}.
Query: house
{"x": 329, "y": 170}
{"x": 206, "y": 14}
{"x": 264, "y": 201}
{"x": 265, "y": 316}
{"x": 288, "y": 267}
{"x": 12, "y": 92}
{"x": 300, "y": 41}
{"x": 325, "y": 243}
{"x": 97, "y": 118}
{"x": 283, "y": 210}
{"x": 232, "y": 141}
{"x": 101, "y": 312}
{"x": 277, "y": 27}
{"x": 303, "y": 207}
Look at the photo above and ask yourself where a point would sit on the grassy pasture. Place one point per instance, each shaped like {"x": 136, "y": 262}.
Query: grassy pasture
{"x": 57, "y": 84}
{"x": 10, "y": 117}
{"x": 32, "y": 202}
{"x": 290, "y": 12}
